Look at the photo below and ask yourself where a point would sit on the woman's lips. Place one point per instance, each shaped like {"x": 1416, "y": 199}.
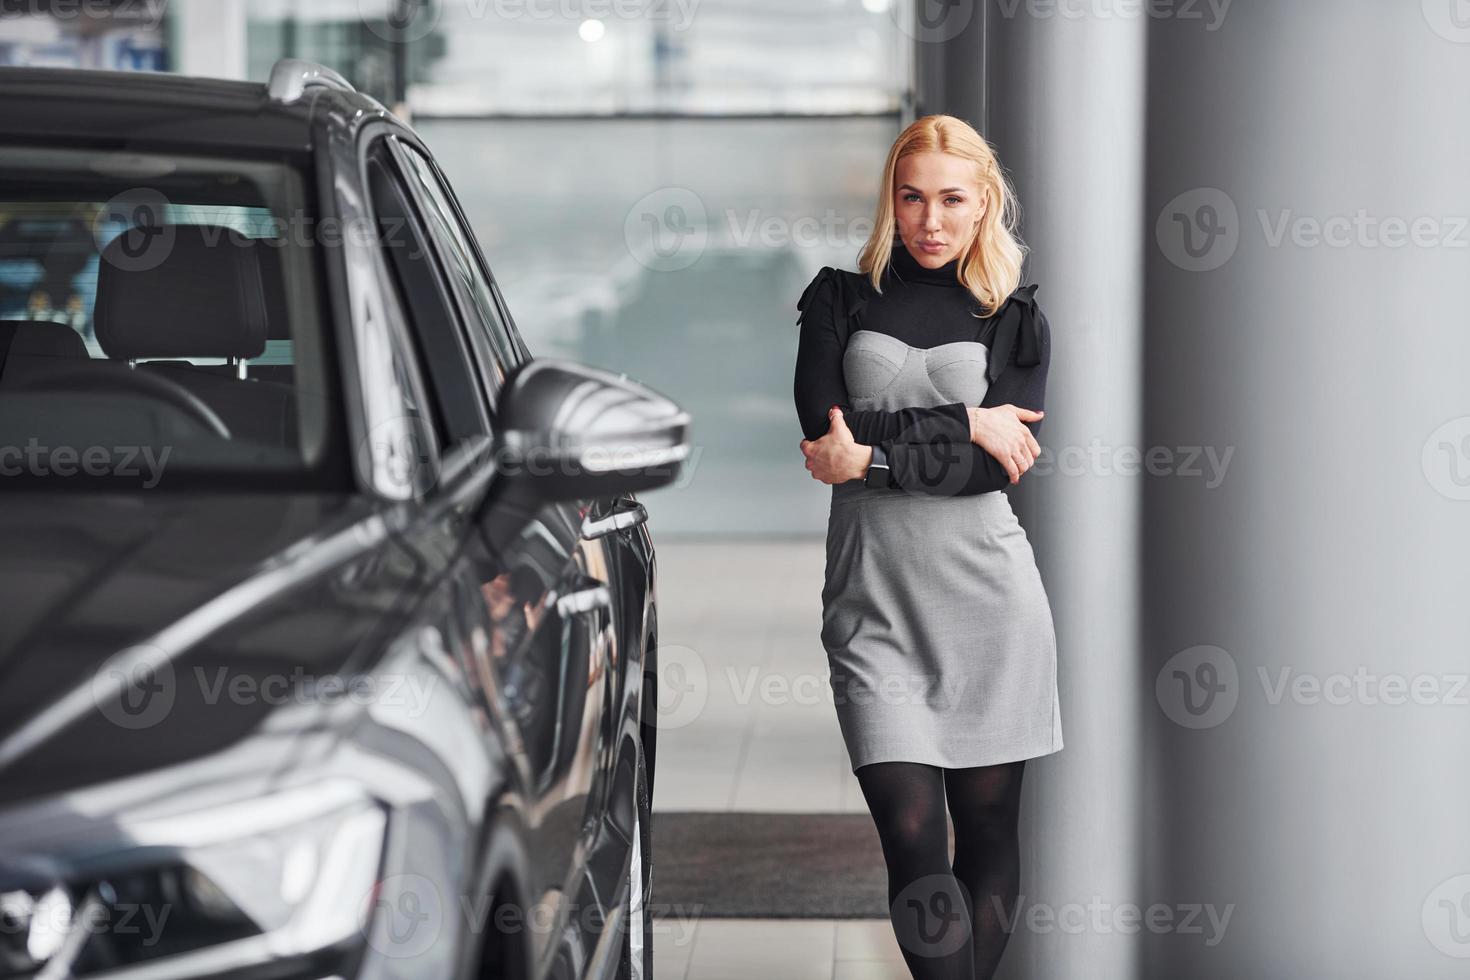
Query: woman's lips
{"x": 933, "y": 248}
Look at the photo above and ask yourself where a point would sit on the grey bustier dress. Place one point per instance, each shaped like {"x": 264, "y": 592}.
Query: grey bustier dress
{"x": 934, "y": 618}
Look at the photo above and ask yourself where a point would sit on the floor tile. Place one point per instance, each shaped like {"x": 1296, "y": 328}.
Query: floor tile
{"x": 742, "y": 949}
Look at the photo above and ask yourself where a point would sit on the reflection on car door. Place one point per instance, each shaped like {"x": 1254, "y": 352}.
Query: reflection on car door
{"x": 549, "y": 617}
{"x": 546, "y": 587}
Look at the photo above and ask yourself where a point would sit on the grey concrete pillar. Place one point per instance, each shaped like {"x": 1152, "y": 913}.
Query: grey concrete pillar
{"x": 1062, "y": 101}
{"x": 1307, "y": 309}
{"x": 1249, "y": 224}
{"x": 209, "y": 38}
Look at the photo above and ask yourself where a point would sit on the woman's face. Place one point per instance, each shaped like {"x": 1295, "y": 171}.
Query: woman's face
{"x": 938, "y": 206}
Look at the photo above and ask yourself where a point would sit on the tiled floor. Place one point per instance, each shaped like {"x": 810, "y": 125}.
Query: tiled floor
{"x": 745, "y": 619}
{"x": 791, "y": 949}
{"x": 758, "y": 732}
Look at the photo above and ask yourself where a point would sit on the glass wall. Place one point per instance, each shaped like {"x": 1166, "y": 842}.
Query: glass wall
{"x": 688, "y": 56}
{"x": 675, "y": 250}
{"x": 119, "y": 35}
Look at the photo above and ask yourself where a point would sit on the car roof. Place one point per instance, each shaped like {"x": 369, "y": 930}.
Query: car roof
{"x": 157, "y": 108}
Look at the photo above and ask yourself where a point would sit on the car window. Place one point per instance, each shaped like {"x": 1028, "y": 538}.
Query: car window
{"x": 463, "y": 257}
{"x": 514, "y": 335}
{"x": 438, "y": 336}
{"x": 163, "y": 302}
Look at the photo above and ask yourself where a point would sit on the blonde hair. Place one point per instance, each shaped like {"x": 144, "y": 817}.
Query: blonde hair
{"x": 990, "y": 266}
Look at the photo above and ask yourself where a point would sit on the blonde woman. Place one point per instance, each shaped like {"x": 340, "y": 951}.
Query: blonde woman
{"x": 919, "y": 386}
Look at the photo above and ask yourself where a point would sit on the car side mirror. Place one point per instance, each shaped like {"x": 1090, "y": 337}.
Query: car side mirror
{"x": 566, "y": 431}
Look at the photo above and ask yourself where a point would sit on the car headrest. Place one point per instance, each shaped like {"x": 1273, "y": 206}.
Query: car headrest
{"x": 193, "y": 291}
{"x": 39, "y": 338}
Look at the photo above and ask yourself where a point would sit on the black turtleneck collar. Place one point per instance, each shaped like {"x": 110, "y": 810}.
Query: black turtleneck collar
{"x": 909, "y": 270}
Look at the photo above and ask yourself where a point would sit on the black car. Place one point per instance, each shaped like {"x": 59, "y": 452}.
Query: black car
{"x": 328, "y": 634}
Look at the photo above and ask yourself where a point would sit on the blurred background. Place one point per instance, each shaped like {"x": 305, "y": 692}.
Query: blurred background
{"x": 653, "y": 186}
{"x": 1249, "y": 223}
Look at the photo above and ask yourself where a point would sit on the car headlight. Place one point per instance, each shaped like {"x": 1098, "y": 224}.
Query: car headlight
{"x": 253, "y": 881}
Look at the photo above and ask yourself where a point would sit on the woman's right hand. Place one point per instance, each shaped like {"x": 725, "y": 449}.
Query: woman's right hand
{"x": 1001, "y": 433}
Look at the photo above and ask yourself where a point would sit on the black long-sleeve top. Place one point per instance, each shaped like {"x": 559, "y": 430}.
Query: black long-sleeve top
{"x": 928, "y": 449}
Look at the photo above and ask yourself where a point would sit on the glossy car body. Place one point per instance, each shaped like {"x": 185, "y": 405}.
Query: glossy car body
{"x": 395, "y": 725}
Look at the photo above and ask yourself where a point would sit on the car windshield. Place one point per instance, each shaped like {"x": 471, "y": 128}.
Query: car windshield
{"x": 161, "y": 323}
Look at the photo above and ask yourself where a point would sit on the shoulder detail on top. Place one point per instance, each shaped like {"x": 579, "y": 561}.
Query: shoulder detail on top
{"x": 1018, "y": 336}
{"x": 849, "y": 292}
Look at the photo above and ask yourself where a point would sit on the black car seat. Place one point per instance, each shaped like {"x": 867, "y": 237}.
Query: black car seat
{"x": 32, "y": 347}
{"x": 196, "y": 291}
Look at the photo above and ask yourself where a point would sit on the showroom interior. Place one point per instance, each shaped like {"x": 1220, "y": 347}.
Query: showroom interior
{"x": 654, "y": 184}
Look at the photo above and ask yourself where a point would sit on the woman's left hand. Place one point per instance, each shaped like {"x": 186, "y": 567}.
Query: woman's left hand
{"x": 836, "y": 457}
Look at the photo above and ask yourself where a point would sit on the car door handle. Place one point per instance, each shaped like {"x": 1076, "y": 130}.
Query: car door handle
{"x": 589, "y": 596}
{"x": 626, "y": 513}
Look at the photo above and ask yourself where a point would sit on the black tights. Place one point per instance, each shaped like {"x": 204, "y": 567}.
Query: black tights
{"x": 952, "y": 920}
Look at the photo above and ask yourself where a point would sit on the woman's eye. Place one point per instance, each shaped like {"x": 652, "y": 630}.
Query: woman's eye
{"x": 911, "y": 198}
{"x": 956, "y": 200}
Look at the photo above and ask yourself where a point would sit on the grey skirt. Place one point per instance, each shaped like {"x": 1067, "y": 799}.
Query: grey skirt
{"x": 937, "y": 630}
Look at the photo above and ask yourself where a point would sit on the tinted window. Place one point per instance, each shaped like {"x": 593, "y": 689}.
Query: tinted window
{"x": 463, "y": 258}
{"x": 163, "y": 306}
{"x": 423, "y": 294}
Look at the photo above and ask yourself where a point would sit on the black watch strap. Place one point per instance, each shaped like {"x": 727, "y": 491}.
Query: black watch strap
{"x": 879, "y": 475}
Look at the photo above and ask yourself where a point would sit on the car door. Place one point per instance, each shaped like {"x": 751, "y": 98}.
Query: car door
{"x": 550, "y": 588}
{"x": 607, "y": 534}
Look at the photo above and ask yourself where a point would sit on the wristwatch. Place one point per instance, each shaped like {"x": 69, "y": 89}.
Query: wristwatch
{"x": 879, "y": 476}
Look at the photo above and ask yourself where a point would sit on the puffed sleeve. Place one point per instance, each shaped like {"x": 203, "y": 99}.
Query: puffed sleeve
{"x": 1020, "y": 360}
{"x": 825, "y": 309}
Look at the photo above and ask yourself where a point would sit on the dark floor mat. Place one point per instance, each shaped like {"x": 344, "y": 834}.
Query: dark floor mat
{"x": 768, "y": 866}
